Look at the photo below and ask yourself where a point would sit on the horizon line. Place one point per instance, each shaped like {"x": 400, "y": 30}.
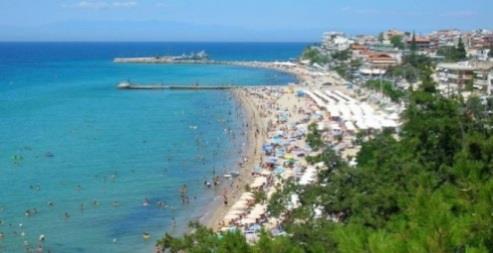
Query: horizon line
{"x": 150, "y": 41}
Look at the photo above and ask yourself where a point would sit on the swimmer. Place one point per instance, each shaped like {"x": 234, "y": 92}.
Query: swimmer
{"x": 51, "y": 204}
{"x": 146, "y": 236}
{"x": 67, "y": 215}
{"x": 42, "y": 238}
{"x": 146, "y": 202}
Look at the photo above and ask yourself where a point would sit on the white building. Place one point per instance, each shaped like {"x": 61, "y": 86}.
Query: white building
{"x": 455, "y": 77}
{"x": 336, "y": 41}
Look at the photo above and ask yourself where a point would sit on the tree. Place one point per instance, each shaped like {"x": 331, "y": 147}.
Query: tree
{"x": 314, "y": 55}
{"x": 428, "y": 190}
{"x": 342, "y": 55}
{"x": 460, "y": 51}
{"x": 380, "y": 37}
{"x": 387, "y": 88}
{"x": 397, "y": 41}
{"x": 413, "y": 47}
{"x": 314, "y": 139}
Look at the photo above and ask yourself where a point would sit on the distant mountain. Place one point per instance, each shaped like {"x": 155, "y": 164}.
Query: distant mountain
{"x": 149, "y": 30}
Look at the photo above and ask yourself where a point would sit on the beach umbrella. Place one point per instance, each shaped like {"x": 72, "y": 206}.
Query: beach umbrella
{"x": 271, "y": 160}
{"x": 240, "y": 205}
{"x": 257, "y": 211}
{"x": 247, "y": 196}
{"x": 230, "y": 217}
{"x": 229, "y": 229}
{"x": 258, "y": 182}
{"x": 235, "y": 211}
{"x": 279, "y": 170}
{"x": 248, "y": 220}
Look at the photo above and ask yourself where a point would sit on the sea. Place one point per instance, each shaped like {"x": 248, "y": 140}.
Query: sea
{"x": 90, "y": 168}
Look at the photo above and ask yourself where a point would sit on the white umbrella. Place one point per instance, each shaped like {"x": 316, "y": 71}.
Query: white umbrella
{"x": 248, "y": 220}
{"x": 240, "y": 205}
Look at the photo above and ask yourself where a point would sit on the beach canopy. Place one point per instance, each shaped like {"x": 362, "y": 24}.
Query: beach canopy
{"x": 258, "y": 182}
{"x": 309, "y": 176}
{"x": 279, "y": 170}
{"x": 247, "y": 196}
{"x": 230, "y": 217}
{"x": 271, "y": 160}
{"x": 257, "y": 211}
{"x": 248, "y": 221}
{"x": 240, "y": 205}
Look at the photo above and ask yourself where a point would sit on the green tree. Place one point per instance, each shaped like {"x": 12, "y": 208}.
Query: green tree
{"x": 428, "y": 188}
{"x": 314, "y": 138}
{"x": 397, "y": 41}
{"x": 413, "y": 47}
{"x": 460, "y": 51}
{"x": 314, "y": 55}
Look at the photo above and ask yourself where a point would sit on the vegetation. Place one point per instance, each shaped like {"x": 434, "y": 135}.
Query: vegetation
{"x": 387, "y": 88}
{"x": 397, "y": 41}
{"x": 314, "y": 55}
{"x": 429, "y": 190}
{"x": 343, "y": 71}
{"x": 314, "y": 138}
{"x": 343, "y": 55}
{"x": 453, "y": 53}
{"x": 406, "y": 71}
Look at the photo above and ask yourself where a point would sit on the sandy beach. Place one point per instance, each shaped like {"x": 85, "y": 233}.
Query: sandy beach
{"x": 216, "y": 212}
{"x": 278, "y": 118}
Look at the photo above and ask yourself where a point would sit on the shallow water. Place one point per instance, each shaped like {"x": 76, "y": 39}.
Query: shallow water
{"x": 67, "y": 136}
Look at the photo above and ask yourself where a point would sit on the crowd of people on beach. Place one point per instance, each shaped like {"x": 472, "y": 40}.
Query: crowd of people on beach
{"x": 286, "y": 113}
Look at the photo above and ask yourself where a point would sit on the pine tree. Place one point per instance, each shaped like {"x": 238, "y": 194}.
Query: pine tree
{"x": 460, "y": 51}
{"x": 414, "y": 46}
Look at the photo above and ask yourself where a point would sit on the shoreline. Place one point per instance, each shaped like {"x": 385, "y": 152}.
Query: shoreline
{"x": 217, "y": 210}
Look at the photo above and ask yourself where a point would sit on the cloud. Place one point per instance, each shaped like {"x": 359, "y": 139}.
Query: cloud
{"x": 101, "y": 5}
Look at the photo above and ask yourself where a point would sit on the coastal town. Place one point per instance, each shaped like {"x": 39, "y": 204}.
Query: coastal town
{"x": 138, "y": 126}
{"x": 348, "y": 89}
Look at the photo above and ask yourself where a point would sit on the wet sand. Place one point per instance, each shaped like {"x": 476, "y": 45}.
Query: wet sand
{"x": 234, "y": 188}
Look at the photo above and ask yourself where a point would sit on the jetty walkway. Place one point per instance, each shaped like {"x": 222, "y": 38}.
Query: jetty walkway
{"x": 196, "y": 87}
{"x": 172, "y": 87}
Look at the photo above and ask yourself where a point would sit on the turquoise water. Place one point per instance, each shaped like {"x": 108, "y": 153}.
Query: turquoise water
{"x": 69, "y": 138}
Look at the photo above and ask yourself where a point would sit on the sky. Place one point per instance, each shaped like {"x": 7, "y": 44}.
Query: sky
{"x": 230, "y": 20}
